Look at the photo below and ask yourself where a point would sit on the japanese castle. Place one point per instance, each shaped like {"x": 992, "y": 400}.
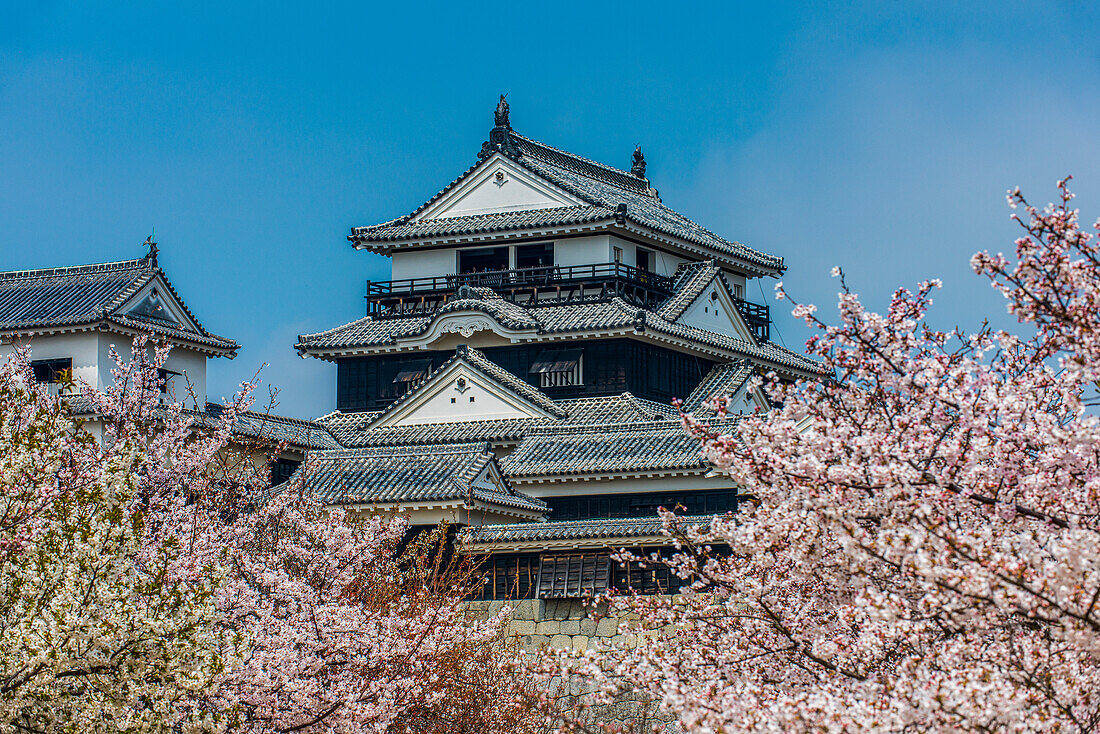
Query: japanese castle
{"x": 514, "y": 378}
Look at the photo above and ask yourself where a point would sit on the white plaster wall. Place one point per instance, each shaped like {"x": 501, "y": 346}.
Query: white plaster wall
{"x": 485, "y": 405}
{"x": 423, "y": 264}
{"x": 513, "y": 193}
{"x": 81, "y": 347}
{"x": 736, "y": 280}
{"x": 666, "y": 263}
{"x": 713, "y": 315}
{"x": 584, "y": 250}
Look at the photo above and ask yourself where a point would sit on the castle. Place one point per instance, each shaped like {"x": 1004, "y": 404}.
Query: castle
{"x": 515, "y": 377}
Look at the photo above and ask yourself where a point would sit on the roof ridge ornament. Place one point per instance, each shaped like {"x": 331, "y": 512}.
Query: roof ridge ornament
{"x": 638, "y": 167}
{"x": 151, "y": 256}
{"x": 500, "y": 137}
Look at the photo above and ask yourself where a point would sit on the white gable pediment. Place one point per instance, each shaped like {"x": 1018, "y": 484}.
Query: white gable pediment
{"x": 715, "y": 311}
{"x": 459, "y": 394}
{"x": 156, "y": 302}
{"x": 499, "y": 185}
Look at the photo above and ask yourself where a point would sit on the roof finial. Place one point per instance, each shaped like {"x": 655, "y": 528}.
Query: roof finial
{"x": 638, "y": 169}
{"x": 151, "y": 256}
{"x": 500, "y": 137}
{"x": 501, "y": 114}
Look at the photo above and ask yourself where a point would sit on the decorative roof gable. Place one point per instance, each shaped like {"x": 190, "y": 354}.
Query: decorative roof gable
{"x": 499, "y": 185}
{"x": 118, "y": 296}
{"x": 467, "y": 387}
{"x": 579, "y": 190}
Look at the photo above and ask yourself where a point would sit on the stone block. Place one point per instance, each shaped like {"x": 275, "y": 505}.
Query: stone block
{"x": 534, "y": 643}
{"x": 588, "y": 626}
{"x": 580, "y": 643}
{"x": 527, "y": 609}
{"x": 561, "y": 642}
{"x": 522, "y": 627}
{"x": 551, "y": 627}
{"x": 607, "y": 627}
{"x": 570, "y": 627}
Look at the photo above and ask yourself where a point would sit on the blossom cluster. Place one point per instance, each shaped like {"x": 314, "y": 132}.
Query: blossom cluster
{"x": 918, "y": 542}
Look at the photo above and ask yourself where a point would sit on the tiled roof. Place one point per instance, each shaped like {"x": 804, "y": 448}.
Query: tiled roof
{"x": 604, "y": 189}
{"x": 723, "y": 380}
{"x": 352, "y": 429}
{"x": 488, "y": 301}
{"x": 394, "y": 474}
{"x": 577, "y": 530}
{"x": 609, "y": 187}
{"x": 274, "y": 429}
{"x": 560, "y": 318}
{"x": 90, "y": 295}
{"x": 402, "y": 229}
{"x": 605, "y": 449}
{"x": 688, "y": 283}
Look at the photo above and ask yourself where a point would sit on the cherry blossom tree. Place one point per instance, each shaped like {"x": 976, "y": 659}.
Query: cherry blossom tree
{"x": 106, "y": 624}
{"x": 918, "y": 546}
{"x": 153, "y": 582}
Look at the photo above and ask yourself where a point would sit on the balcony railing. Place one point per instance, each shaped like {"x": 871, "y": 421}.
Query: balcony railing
{"x": 545, "y": 284}
{"x": 756, "y": 316}
{"x": 542, "y": 285}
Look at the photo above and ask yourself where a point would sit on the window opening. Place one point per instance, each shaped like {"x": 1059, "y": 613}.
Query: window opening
{"x": 559, "y": 369}
{"x": 482, "y": 260}
{"x": 535, "y": 256}
{"x": 411, "y": 375}
{"x": 53, "y": 373}
{"x": 573, "y": 575}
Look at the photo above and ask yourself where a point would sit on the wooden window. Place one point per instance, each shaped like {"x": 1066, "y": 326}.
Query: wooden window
{"x": 559, "y": 368}
{"x": 281, "y": 469}
{"x": 573, "y": 575}
{"x": 508, "y": 576}
{"x": 53, "y": 373}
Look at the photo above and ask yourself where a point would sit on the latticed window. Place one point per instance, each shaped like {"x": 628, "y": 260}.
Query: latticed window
{"x": 410, "y": 375}
{"x": 559, "y": 369}
{"x": 573, "y": 575}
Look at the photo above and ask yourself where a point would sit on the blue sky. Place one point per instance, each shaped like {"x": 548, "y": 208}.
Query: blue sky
{"x": 880, "y": 137}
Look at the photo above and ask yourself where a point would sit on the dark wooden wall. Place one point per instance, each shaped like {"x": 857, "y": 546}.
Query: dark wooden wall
{"x": 611, "y": 366}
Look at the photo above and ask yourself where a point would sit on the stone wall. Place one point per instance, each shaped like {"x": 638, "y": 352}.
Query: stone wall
{"x": 564, "y": 624}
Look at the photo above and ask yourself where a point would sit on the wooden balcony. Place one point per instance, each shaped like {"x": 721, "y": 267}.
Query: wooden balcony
{"x": 541, "y": 285}
{"x": 525, "y": 286}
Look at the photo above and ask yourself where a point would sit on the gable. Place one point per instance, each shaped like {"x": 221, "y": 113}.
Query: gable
{"x": 714, "y": 310}
{"x": 498, "y": 185}
{"x": 460, "y": 394}
{"x": 156, "y": 302}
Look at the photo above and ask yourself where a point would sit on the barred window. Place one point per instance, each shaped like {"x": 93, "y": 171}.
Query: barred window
{"x": 573, "y": 575}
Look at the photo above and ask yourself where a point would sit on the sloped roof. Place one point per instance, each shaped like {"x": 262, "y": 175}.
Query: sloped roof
{"x": 276, "y": 429}
{"x": 559, "y": 318}
{"x": 577, "y": 530}
{"x": 91, "y": 295}
{"x": 688, "y": 283}
{"x": 396, "y": 474}
{"x": 722, "y": 381}
{"x": 606, "y": 449}
{"x": 610, "y": 195}
{"x": 353, "y": 429}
